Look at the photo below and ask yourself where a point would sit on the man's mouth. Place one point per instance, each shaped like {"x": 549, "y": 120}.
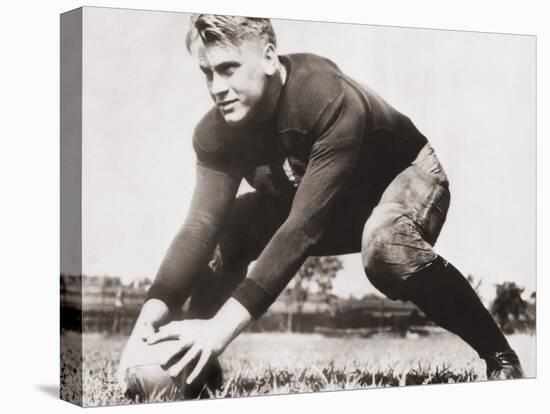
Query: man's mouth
{"x": 225, "y": 104}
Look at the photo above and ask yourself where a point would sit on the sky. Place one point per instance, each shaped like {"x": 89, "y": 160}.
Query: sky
{"x": 471, "y": 94}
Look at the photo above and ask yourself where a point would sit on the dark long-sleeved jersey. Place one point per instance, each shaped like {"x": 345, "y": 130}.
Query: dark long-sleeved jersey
{"x": 331, "y": 142}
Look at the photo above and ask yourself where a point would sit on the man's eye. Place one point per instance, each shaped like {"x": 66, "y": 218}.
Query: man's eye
{"x": 228, "y": 70}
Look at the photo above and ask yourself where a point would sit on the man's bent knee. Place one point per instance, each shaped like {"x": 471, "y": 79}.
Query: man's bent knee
{"x": 375, "y": 255}
{"x": 392, "y": 249}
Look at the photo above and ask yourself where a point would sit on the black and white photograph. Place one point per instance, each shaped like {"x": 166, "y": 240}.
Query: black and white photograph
{"x": 258, "y": 206}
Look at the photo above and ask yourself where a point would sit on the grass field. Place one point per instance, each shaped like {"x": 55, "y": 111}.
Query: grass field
{"x": 289, "y": 363}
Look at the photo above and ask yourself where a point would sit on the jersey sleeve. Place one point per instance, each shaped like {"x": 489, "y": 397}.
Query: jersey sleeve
{"x": 215, "y": 189}
{"x": 332, "y": 161}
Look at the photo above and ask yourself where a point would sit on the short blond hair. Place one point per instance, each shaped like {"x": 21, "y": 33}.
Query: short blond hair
{"x": 227, "y": 30}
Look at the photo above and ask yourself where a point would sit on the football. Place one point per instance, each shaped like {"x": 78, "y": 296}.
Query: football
{"x": 147, "y": 381}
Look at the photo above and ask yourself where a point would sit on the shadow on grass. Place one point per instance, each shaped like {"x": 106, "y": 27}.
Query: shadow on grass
{"x": 51, "y": 390}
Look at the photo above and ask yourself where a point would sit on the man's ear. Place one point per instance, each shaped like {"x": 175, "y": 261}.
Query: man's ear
{"x": 270, "y": 59}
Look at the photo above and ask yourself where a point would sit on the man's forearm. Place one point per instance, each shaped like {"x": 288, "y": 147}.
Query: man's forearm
{"x": 278, "y": 263}
{"x": 188, "y": 253}
{"x": 329, "y": 170}
{"x": 193, "y": 244}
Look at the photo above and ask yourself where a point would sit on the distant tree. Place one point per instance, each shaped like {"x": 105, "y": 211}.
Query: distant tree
{"x": 314, "y": 277}
{"x": 531, "y": 311}
{"x": 508, "y": 306}
{"x": 143, "y": 283}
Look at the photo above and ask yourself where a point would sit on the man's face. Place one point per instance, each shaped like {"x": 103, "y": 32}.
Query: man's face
{"x": 236, "y": 79}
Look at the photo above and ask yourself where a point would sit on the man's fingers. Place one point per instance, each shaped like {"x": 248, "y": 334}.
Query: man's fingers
{"x": 176, "y": 325}
{"x": 205, "y": 355}
{"x": 168, "y": 327}
{"x": 178, "y": 367}
{"x": 165, "y": 332}
{"x": 162, "y": 336}
{"x": 178, "y": 348}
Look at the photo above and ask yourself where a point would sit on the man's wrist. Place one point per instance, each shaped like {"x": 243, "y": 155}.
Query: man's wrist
{"x": 254, "y": 297}
{"x": 166, "y": 294}
{"x": 231, "y": 320}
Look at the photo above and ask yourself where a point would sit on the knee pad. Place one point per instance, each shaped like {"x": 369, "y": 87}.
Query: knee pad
{"x": 392, "y": 249}
{"x": 376, "y": 254}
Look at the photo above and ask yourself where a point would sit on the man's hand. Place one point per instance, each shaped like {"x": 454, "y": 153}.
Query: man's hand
{"x": 202, "y": 339}
{"x": 198, "y": 338}
{"x": 153, "y": 314}
{"x": 143, "y": 330}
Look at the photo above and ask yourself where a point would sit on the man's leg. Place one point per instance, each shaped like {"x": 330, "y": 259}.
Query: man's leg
{"x": 447, "y": 298}
{"x": 399, "y": 260}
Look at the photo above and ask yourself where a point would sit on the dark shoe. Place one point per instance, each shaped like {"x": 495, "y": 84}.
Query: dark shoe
{"x": 504, "y": 365}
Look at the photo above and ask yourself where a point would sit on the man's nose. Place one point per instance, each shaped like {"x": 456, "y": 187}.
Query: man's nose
{"x": 218, "y": 86}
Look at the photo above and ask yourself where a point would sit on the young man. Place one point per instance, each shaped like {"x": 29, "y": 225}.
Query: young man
{"x": 336, "y": 170}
